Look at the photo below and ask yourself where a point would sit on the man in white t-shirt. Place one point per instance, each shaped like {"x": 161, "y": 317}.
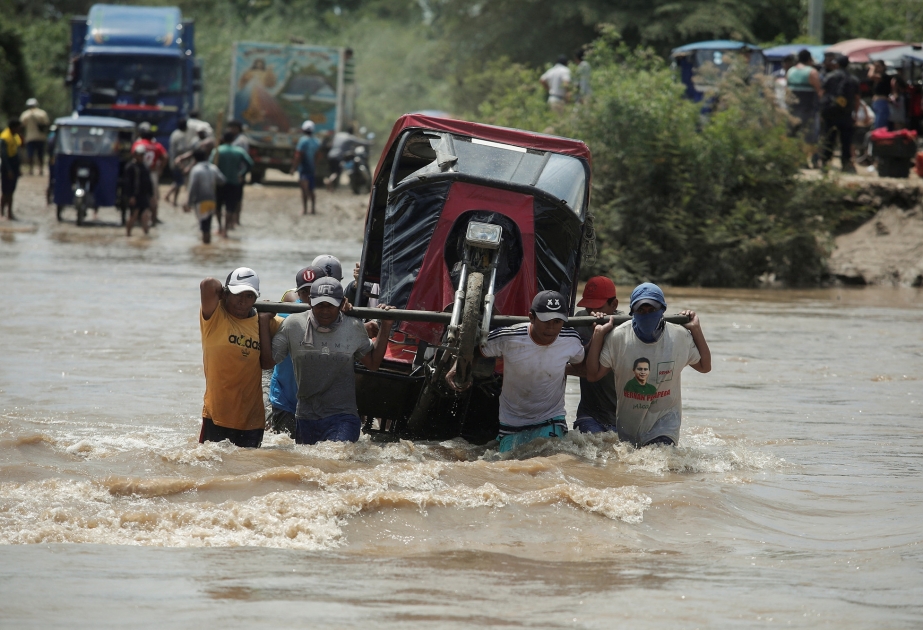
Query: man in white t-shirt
{"x": 646, "y": 356}
{"x": 535, "y": 356}
{"x": 557, "y": 81}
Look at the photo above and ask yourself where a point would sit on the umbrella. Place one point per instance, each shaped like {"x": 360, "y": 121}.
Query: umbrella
{"x": 858, "y": 49}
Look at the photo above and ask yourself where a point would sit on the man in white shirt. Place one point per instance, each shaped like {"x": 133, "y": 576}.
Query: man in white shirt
{"x": 535, "y": 356}
{"x": 557, "y": 82}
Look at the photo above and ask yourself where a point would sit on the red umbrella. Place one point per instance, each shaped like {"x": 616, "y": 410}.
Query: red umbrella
{"x": 858, "y": 49}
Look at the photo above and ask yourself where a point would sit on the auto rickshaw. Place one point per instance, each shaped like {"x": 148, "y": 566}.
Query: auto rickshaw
{"x": 89, "y": 153}
{"x": 466, "y": 223}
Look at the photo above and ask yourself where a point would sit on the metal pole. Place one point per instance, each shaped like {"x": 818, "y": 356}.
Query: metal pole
{"x": 445, "y": 318}
{"x": 816, "y": 21}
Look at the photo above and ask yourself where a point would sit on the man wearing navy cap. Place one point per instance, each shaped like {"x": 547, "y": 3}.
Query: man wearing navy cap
{"x": 651, "y": 350}
{"x": 535, "y": 357}
{"x": 324, "y": 344}
{"x": 283, "y": 388}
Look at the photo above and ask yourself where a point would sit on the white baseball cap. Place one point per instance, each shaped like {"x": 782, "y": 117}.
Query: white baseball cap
{"x": 31, "y": 103}
{"x": 307, "y": 125}
{"x": 243, "y": 279}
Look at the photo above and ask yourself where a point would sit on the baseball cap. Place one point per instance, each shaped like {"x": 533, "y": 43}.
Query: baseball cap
{"x": 145, "y": 126}
{"x": 307, "y": 125}
{"x": 243, "y": 279}
{"x": 330, "y": 264}
{"x": 327, "y": 290}
{"x": 549, "y": 305}
{"x": 31, "y": 102}
{"x": 597, "y": 292}
{"x": 647, "y": 293}
{"x": 307, "y": 276}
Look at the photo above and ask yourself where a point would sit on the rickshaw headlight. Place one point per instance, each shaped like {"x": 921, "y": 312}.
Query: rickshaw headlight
{"x": 79, "y": 193}
{"x": 483, "y": 235}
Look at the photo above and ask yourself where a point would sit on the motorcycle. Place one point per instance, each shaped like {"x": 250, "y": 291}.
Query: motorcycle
{"x": 357, "y": 167}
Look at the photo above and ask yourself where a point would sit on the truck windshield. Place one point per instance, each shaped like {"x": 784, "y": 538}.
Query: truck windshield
{"x": 146, "y": 76}
{"x": 427, "y": 152}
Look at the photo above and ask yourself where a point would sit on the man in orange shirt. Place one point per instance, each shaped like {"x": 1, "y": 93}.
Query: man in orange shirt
{"x": 234, "y": 355}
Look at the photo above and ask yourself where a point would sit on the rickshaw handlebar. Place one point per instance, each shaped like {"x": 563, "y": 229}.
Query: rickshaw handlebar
{"x": 443, "y": 318}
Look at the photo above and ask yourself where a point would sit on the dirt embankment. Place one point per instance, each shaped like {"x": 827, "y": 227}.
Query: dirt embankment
{"x": 888, "y": 248}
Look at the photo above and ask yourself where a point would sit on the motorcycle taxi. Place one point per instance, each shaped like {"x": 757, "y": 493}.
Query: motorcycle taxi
{"x": 89, "y": 153}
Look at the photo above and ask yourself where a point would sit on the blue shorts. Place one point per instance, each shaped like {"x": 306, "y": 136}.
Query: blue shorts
{"x": 307, "y": 177}
{"x": 556, "y": 427}
{"x": 587, "y": 424}
{"x": 179, "y": 177}
{"x": 342, "y": 427}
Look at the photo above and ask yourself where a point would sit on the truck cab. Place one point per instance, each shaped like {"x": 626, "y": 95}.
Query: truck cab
{"x": 135, "y": 63}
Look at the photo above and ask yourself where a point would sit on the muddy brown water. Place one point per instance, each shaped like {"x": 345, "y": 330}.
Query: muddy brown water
{"x": 794, "y": 498}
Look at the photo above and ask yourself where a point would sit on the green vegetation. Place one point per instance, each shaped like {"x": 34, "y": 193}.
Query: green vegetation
{"x": 677, "y": 198}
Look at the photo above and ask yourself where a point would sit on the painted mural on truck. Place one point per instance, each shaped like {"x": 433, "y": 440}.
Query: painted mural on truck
{"x": 276, "y": 88}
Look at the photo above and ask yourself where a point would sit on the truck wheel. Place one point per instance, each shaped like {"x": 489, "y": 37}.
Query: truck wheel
{"x": 257, "y": 175}
{"x": 468, "y": 335}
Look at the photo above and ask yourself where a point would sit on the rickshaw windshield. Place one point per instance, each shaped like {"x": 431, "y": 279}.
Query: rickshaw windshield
{"x": 428, "y": 152}
{"x": 82, "y": 140}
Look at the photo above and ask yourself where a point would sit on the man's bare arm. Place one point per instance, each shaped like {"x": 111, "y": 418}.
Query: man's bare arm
{"x": 698, "y": 337}
{"x": 211, "y": 291}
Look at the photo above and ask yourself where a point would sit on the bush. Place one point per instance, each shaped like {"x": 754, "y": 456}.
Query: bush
{"x": 681, "y": 198}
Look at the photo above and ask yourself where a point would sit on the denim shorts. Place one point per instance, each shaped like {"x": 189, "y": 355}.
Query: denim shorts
{"x": 342, "y": 427}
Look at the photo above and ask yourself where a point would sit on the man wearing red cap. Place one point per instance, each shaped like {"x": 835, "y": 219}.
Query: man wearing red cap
{"x": 596, "y": 411}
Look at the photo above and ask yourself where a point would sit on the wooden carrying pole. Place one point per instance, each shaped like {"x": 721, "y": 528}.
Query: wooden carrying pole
{"x": 443, "y": 318}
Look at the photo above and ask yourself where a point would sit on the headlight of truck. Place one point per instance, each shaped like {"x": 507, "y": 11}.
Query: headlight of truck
{"x": 483, "y": 235}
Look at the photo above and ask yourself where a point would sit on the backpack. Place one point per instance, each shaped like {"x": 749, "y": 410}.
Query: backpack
{"x": 835, "y": 104}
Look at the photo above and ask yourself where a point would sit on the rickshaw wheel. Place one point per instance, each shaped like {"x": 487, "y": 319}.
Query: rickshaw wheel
{"x": 59, "y": 211}
{"x": 122, "y": 211}
{"x": 81, "y": 215}
{"x": 468, "y": 335}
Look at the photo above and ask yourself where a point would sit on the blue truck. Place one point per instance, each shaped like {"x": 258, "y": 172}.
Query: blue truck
{"x": 135, "y": 63}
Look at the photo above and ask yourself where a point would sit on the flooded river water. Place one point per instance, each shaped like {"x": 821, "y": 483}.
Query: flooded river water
{"x": 793, "y": 500}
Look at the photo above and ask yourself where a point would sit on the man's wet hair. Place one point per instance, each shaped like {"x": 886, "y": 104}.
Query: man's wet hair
{"x": 641, "y": 360}
{"x": 842, "y": 61}
{"x": 227, "y": 137}
{"x": 199, "y": 155}
{"x": 14, "y": 123}
{"x": 562, "y": 59}
{"x": 804, "y": 56}
{"x": 235, "y": 123}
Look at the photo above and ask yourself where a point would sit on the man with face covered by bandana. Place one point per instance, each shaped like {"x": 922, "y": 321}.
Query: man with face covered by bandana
{"x": 649, "y": 413}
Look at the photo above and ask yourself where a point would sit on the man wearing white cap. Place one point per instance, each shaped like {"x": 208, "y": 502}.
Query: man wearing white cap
{"x": 324, "y": 344}
{"x": 36, "y": 122}
{"x": 234, "y": 353}
{"x": 646, "y": 357}
{"x": 137, "y": 189}
{"x": 303, "y": 164}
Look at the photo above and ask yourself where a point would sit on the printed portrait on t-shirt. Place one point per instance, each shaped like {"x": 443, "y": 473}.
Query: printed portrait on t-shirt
{"x": 639, "y": 385}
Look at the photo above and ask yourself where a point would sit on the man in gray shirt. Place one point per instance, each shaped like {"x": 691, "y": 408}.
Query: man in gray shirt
{"x": 324, "y": 344}
{"x": 204, "y": 179}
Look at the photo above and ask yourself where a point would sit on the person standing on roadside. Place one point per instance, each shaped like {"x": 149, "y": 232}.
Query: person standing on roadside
{"x": 240, "y": 139}
{"x": 283, "y": 387}
{"x": 137, "y": 187}
{"x": 556, "y": 81}
{"x": 179, "y": 144}
{"x": 10, "y": 143}
{"x": 204, "y": 180}
{"x": 839, "y": 101}
{"x": 803, "y": 81}
{"x": 303, "y": 164}
{"x": 324, "y": 345}
{"x": 236, "y": 347}
{"x": 155, "y": 159}
{"x": 646, "y": 357}
{"x": 596, "y": 412}
{"x": 234, "y": 163}
{"x": 36, "y": 122}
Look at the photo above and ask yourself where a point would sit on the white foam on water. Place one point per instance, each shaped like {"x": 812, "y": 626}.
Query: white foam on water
{"x": 137, "y": 512}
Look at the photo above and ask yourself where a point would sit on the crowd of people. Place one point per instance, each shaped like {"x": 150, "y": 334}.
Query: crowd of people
{"x": 827, "y": 102}
{"x": 630, "y": 381}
